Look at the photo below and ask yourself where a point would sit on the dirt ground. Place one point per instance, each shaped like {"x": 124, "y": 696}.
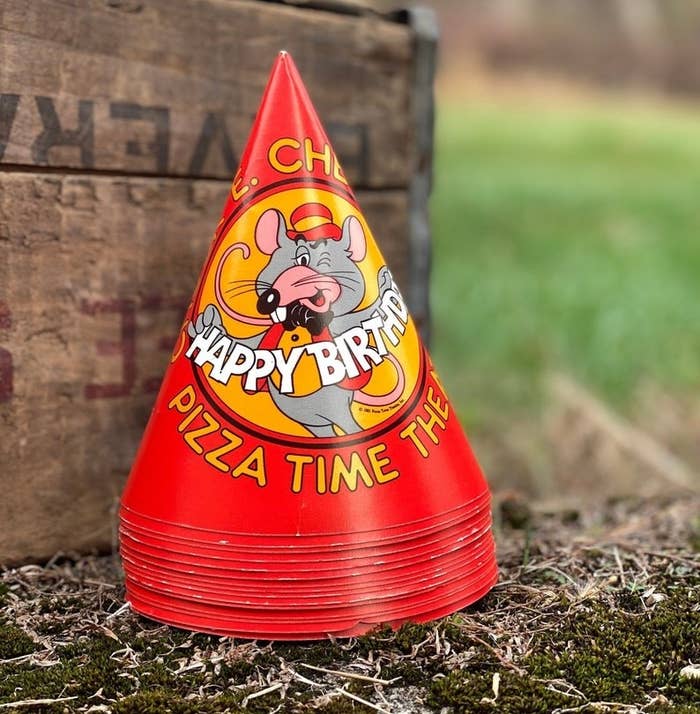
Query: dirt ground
{"x": 597, "y": 610}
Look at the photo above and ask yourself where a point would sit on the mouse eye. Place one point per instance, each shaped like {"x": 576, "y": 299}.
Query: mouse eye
{"x": 302, "y": 257}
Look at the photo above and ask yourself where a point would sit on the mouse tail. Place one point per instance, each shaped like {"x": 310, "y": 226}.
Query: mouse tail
{"x": 219, "y": 296}
{"x": 382, "y": 400}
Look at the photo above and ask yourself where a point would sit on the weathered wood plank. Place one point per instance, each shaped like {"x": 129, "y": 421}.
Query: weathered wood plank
{"x": 95, "y": 274}
{"x": 171, "y": 88}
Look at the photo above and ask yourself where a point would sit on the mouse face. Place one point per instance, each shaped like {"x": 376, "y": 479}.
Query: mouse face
{"x": 312, "y": 275}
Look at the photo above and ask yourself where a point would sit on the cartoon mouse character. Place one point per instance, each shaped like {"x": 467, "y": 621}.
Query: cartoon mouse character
{"x": 311, "y": 281}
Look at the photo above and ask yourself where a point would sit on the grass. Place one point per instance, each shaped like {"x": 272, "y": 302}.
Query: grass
{"x": 565, "y": 240}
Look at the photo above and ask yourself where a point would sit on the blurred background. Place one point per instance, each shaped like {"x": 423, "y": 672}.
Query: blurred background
{"x": 566, "y": 215}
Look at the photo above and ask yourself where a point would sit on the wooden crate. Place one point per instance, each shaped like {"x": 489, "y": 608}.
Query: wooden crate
{"x": 121, "y": 124}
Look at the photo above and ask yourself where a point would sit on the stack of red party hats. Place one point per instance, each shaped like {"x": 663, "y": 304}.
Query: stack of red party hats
{"x": 303, "y": 473}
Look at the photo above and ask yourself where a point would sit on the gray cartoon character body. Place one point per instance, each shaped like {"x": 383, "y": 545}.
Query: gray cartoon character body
{"x": 311, "y": 280}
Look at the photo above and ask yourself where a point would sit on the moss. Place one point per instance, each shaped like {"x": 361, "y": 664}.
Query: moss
{"x": 237, "y": 671}
{"x": 160, "y": 701}
{"x": 486, "y": 604}
{"x": 57, "y": 604}
{"x": 320, "y": 654}
{"x": 4, "y": 592}
{"x": 465, "y": 691}
{"x": 155, "y": 702}
{"x": 376, "y": 639}
{"x": 14, "y": 642}
{"x": 623, "y": 653}
{"x": 51, "y": 627}
{"x": 163, "y": 701}
{"x": 603, "y": 651}
{"x": 408, "y": 674}
{"x": 159, "y": 675}
{"x": 84, "y": 668}
{"x": 410, "y": 635}
{"x": 89, "y": 662}
{"x": 32, "y": 683}
{"x": 618, "y": 655}
{"x": 365, "y": 690}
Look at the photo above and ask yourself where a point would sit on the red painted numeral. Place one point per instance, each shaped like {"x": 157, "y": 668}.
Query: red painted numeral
{"x": 126, "y": 346}
{"x": 6, "y": 366}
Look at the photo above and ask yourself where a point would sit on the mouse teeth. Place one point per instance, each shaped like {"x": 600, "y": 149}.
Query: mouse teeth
{"x": 280, "y": 314}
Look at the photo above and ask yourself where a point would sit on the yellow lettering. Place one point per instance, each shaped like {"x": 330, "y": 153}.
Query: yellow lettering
{"x": 321, "y": 474}
{"x": 442, "y": 408}
{"x": 378, "y": 464}
{"x": 214, "y": 457}
{"x": 410, "y": 432}
{"x": 191, "y": 436}
{"x": 253, "y": 465}
{"x": 184, "y": 400}
{"x": 429, "y": 426}
{"x": 311, "y": 155}
{"x": 338, "y": 172}
{"x": 237, "y": 191}
{"x": 349, "y": 474}
{"x": 189, "y": 418}
{"x": 274, "y": 159}
{"x": 299, "y": 461}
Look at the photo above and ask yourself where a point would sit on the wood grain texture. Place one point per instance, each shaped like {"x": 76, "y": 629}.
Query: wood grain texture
{"x": 171, "y": 88}
{"x": 95, "y": 274}
{"x": 121, "y": 125}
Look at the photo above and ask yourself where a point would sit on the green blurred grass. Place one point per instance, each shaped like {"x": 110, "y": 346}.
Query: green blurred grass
{"x": 564, "y": 240}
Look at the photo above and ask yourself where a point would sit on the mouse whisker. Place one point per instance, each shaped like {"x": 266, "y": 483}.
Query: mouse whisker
{"x": 346, "y": 274}
{"x": 327, "y": 276}
{"x": 320, "y": 278}
{"x": 240, "y": 291}
{"x": 262, "y": 283}
{"x": 346, "y": 285}
{"x": 241, "y": 284}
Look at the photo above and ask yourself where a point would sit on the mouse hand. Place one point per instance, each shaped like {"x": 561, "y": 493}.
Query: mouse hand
{"x": 209, "y": 317}
{"x": 384, "y": 280}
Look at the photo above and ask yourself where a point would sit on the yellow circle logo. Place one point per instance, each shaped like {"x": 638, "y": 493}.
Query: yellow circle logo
{"x": 298, "y": 326}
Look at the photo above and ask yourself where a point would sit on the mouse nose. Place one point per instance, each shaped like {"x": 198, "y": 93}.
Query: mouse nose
{"x": 268, "y": 301}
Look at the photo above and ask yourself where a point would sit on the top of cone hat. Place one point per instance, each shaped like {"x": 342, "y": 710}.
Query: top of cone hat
{"x": 287, "y": 115}
{"x": 285, "y": 110}
{"x": 299, "y": 399}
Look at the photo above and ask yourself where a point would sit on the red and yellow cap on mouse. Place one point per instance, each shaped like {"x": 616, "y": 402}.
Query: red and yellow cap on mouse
{"x": 301, "y": 420}
{"x": 313, "y": 221}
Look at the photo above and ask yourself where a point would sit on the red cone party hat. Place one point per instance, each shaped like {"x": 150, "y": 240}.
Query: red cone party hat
{"x": 303, "y": 473}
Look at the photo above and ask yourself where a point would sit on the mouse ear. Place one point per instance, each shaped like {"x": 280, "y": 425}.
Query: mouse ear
{"x": 269, "y": 230}
{"x": 353, "y": 239}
